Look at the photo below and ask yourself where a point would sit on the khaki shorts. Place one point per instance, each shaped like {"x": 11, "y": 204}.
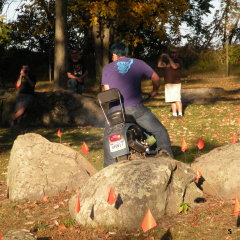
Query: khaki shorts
{"x": 173, "y": 92}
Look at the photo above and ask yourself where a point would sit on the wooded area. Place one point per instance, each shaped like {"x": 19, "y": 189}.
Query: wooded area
{"x": 149, "y": 27}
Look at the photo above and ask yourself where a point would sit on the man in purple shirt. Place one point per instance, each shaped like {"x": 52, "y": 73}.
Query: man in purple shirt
{"x": 126, "y": 75}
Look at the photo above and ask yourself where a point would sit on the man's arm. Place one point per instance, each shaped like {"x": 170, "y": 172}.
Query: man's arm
{"x": 156, "y": 84}
{"x": 79, "y": 79}
{"x": 161, "y": 63}
{"x": 173, "y": 64}
{"x": 24, "y": 75}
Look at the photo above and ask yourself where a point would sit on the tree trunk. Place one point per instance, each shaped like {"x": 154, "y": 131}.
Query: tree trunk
{"x": 105, "y": 39}
{"x": 61, "y": 58}
{"x": 98, "y": 53}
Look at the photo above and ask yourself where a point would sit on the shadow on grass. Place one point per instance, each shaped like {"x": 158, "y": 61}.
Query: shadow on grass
{"x": 70, "y": 135}
{"x": 167, "y": 235}
{"x": 192, "y": 153}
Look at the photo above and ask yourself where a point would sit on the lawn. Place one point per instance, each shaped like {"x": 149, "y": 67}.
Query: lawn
{"x": 215, "y": 123}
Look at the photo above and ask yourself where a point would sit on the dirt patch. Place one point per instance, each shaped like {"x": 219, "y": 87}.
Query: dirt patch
{"x": 50, "y": 219}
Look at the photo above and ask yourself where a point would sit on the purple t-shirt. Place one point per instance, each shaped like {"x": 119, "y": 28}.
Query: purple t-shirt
{"x": 126, "y": 74}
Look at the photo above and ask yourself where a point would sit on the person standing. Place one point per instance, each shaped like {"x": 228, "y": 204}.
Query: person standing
{"x": 76, "y": 72}
{"x": 171, "y": 65}
{"x": 26, "y": 84}
{"x": 126, "y": 74}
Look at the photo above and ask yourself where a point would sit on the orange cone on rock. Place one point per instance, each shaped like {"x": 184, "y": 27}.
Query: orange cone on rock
{"x": 77, "y": 204}
{"x": 199, "y": 175}
{"x": 111, "y": 196}
{"x": 148, "y": 221}
{"x": 237, "y": 208}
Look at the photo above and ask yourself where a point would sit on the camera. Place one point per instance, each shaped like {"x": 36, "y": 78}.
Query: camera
{"x": 165, "y": 59}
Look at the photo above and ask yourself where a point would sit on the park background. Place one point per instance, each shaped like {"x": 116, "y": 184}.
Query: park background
{"x": 207, "y": 33}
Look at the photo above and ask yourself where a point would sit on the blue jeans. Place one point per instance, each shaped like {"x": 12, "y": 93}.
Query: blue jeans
{"x": 75, "y": 86}
{"x": 147, "y": 120}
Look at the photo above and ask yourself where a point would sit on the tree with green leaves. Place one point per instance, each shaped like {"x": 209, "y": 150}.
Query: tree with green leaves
{"x": 146, "y": 25}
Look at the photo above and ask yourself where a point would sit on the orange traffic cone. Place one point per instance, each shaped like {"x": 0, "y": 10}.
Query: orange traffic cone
{"x": 234, "y": 138}
{"x": 237, "y": 208}
{"x": 148, "y": 221}
{"x": 111, "y": 196}
{"x": 77, "y": 205}
{"x": 199, "y": 175}
{"x": 183, "y": 145}
{"x": 84, "y": 148}
{"x": 59, "y": 134}
{"x": 200, "y": 144}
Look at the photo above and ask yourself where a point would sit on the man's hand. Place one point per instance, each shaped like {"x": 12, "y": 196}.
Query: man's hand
{"x": 24, "y": 72}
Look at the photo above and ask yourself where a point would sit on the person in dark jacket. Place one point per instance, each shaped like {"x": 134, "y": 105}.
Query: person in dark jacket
{"x": 26, "y": 83}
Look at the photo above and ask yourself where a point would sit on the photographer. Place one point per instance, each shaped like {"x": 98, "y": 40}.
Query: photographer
{"x": 26, "y": 84}
{"x": 171, "y": 65}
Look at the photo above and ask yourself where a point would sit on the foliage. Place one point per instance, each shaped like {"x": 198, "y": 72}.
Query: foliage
{"x": 4, "y": 32}
{"x": 148, "y": 24}
{"x": 184, "y": 208}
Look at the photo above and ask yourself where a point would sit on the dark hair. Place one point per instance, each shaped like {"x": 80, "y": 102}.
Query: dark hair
{"x": 120, "y": 49}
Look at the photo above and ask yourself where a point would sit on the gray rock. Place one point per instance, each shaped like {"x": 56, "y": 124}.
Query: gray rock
{"x": 19, "y": 235}
{"x": 59, "y": 108}
{"x": 38, "y": 167}
{"x": 201, "y": 95}
{"x": 220, "y": 169}
{"x": 160, "y": 184}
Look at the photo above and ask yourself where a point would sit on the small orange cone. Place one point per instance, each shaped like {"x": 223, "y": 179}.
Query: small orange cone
{"x": 234, "y": 138}
{"x": 111, "y": 196}
{"x": 183, "y": 145}
{"x": 237, "y": 208}
{"x": 84, "y": 148}
{"x": 148, "y": 221}
{"x": 199, "y": 175}
{"x": 0, "y": 237}
{"x": 59, "y": 134}
{"x": 200, "y": 144}
{"x": 77, "y": 205}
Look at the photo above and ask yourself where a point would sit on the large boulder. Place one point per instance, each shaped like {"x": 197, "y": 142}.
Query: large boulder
{"x": 160, "y": 184}
{"x": 58, "y": 108}
{"x": 38, "y": 167}
{"x": 201, "y": 95}
{"x": 220, "y": 170}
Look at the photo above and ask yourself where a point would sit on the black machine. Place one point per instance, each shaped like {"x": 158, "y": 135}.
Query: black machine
{"x": 126, "y": 139}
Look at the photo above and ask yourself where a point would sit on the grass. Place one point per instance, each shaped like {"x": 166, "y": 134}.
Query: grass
{"x": 215, "y": 123}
